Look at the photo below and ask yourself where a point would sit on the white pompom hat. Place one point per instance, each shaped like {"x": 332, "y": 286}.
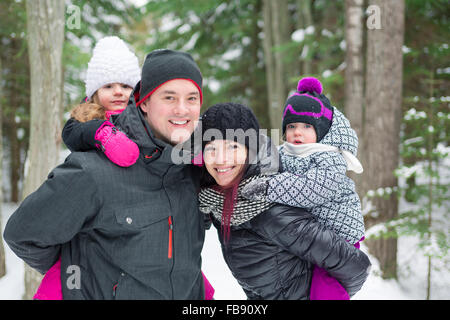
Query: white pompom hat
{"x": 111, "y": 62}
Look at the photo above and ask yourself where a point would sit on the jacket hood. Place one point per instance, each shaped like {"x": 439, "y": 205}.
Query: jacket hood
{"x": 341, "y": 134}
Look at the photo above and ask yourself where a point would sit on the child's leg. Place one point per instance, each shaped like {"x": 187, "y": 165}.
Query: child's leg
{"x": 209, "y": 290}
{"x": 324, "y": 287}
{"x": 50, "y": 287}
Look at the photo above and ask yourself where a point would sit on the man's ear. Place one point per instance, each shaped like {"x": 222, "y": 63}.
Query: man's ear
{"x": 144, "y": 106}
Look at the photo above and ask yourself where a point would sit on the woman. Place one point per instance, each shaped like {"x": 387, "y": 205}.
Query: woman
{"x": 269, "y": 248}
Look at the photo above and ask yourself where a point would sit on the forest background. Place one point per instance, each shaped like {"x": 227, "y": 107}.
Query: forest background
{"x": 384, "y": 63}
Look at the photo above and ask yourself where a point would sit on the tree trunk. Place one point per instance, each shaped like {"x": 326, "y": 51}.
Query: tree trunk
{"x": 430, "y": 183}
{"x": 11, "y": 127}
{"x": 45, "y": 20}
{"x": 354, "y": 74}
{"x": 276, "y": 34}
{"x": 270, "y": 62}
{"x": 280, "y": 35}
{"x": 14, "y": 152}
{"x": 2, "y": 249}
{"x": 382, "y": 123}
{"x": 259, "y": 98}
{"x": 304, "y": 8}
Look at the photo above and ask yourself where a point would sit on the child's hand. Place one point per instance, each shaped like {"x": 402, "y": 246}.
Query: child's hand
{"x": 116, "y": 145}
{"x": 256, "y": 189}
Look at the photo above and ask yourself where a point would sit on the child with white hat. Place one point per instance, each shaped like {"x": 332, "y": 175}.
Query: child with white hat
{"x": 112, "y": 73}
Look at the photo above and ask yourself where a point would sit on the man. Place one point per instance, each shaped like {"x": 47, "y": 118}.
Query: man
{"x": 133, "y": 233}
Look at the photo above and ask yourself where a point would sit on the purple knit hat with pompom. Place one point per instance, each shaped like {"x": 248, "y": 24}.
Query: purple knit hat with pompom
{"x": 309, "y": 105}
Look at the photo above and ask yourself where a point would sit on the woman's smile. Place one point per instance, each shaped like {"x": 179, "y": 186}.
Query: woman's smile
{"x": 225, "y": 170}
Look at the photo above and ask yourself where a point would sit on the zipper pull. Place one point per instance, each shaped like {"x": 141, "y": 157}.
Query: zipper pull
{"x": 169, "y": 255}
{"x": 114, "y": 289}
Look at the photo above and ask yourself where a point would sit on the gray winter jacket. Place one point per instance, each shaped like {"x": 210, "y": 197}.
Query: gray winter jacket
{"x": 315, "y": 178}
{"x": 133, "y": 233}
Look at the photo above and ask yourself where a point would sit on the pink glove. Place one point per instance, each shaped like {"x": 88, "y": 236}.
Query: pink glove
{"x": 50, "y": 287}
{"x": 116, "y": 145}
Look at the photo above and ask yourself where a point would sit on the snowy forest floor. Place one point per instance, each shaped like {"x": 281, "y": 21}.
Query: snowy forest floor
{"x": 411, "y": 284}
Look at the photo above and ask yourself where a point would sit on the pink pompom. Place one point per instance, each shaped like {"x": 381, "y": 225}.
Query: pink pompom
{"x": 310, "y": 84}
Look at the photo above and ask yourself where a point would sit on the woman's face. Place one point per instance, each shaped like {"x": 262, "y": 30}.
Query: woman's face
{"x": 224, "y": 160}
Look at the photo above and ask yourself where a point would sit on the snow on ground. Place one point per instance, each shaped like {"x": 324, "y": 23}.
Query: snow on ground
{"x": 12, "y": 284}
{"x": 411, "y": 284}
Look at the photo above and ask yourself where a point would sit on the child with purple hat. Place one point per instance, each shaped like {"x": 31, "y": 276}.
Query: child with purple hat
{"x": 320, "y": 146}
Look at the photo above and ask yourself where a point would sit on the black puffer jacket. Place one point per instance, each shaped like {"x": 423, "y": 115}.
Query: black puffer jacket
{"x": 272, "y": 255}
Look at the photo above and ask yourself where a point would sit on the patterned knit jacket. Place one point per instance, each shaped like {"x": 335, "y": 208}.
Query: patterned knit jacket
{"x": 318, "y": 181}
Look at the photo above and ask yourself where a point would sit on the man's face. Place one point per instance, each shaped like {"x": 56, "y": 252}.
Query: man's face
{"x": 172, "y": 111}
